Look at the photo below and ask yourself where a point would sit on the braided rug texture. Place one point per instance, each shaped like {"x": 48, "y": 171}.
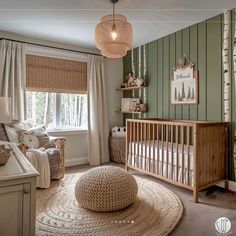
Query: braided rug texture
{"x": 155, "y": 212}
{"x": 106, "y": 188}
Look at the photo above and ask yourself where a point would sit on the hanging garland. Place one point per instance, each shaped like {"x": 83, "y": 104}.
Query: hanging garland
{"x": 225, "y": 54}
{"x": 139, "y": 62}
{"x": 144, "y": 63}
{"x": 132, "y": 60}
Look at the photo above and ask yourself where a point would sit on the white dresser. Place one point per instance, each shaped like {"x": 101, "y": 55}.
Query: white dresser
{"x": 17, "y": 195}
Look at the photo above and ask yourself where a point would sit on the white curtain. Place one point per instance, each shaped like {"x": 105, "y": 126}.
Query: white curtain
{"x": 98, "y": 117}
{"x": 13, "y": 76}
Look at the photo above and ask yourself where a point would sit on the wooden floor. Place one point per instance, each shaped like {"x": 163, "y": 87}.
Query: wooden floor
{"x": 199, "y": 218}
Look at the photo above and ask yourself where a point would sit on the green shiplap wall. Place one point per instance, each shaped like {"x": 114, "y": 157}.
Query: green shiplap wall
{"x": 202, "y": 43}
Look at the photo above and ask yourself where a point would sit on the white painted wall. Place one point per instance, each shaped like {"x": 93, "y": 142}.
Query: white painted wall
{"x": 76, "y": 149}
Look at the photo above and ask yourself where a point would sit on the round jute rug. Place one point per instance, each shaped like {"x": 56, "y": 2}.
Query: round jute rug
{"x": 156, "y": 211}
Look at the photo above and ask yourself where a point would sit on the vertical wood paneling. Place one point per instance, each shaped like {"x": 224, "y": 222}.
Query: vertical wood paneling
{"x": 127, "y": 67}
{"x": 193, "y": 56}
{"x": 160, "y": 77}
{"x": 166, "y": 77}
{"x": 186, "y": 44}
{"x": 202, "y": 69}
{"x": 214, "y": 65}
{"x": 178, "y": 54}
{"x": 136, "y": 61}
{"x": 172, "y": 65}
{"x": 202, "y": 43}
{"x": 152, "y": 63}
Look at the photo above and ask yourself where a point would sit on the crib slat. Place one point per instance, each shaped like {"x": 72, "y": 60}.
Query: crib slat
{"x": 158, "y": 138}
{"x": 172, "y": 162}
{"x": 177, "y": 152}
{"x": 162, "y": 151}
{"x": 145, "y": 145}
{"x": 131, "y": 140}
{"x": 149, "y": 146}
{"x": 153, "y": 149}
{"x": 140, "y": 146}
{"x": 182, "y": 151}
{"x": 167, "y": 150}
{"x": 137, "y": 157}
{"x": 134, "y": 138}
{"x": 188, "y": 157}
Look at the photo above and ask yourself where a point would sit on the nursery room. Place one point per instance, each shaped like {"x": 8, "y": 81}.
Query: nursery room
{"x": 117, "y": 118}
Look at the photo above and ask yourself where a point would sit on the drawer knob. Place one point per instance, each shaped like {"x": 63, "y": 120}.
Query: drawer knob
{"x": 26, "y": 190}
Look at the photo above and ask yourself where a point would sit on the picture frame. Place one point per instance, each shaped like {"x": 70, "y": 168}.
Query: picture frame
{"x": 184, "y": 84}
{"x": 134, "y": 102}
{"x": 129, "y": 104}
{"x": 125, "y": 104}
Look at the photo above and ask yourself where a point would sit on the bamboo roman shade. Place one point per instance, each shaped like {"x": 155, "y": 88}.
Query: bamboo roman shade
{"x": 46, "y": 74}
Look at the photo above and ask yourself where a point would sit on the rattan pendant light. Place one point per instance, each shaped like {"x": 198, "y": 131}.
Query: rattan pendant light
{"x": 114, "y": 35}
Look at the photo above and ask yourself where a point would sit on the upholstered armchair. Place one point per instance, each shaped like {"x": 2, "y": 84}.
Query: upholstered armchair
{"x": 60, "y": 144}
{"x": 46, "y": 153}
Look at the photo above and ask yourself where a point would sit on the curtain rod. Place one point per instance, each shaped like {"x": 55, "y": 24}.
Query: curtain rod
{"x": 37, "y": 44}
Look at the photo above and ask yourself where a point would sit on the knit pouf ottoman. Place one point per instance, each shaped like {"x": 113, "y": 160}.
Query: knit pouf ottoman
{"x": 106, "y": 189}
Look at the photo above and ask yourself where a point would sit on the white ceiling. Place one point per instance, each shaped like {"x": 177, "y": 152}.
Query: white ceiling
{"x": 74, "y": 21}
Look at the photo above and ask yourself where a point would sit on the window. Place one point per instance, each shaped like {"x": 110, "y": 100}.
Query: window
{"x": 57, "y": 110}
{"x": 56, "y": 92}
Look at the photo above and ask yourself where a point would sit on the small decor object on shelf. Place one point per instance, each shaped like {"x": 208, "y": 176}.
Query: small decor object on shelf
{"x": 134, "y": 102}
{"x": 132, "y": 81}
{"x": 140, "y": 107}
{"x": 5, "y": 154}
{"x": 184, "y": 85}
{"x": 125, "y": 104}
{"x": 139, "y": 81}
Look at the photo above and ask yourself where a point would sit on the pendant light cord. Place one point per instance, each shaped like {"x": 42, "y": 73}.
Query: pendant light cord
{"x": 113, "y": 13}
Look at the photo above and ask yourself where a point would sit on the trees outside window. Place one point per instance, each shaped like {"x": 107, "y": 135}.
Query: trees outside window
{"x": 57, "y": 110}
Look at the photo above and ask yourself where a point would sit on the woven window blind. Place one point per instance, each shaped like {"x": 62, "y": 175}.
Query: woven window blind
{"x": 45, "y": 74}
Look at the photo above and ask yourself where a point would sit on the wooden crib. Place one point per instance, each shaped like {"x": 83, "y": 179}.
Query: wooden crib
{"x": 189, "y": 154}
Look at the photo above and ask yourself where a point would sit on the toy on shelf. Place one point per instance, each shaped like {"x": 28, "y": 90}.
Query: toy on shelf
{"x": 132, "y": 81}
{"x": 140, "y": 107}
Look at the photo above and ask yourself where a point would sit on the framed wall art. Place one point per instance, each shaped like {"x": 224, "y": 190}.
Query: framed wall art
{"x": 184, "y": 83}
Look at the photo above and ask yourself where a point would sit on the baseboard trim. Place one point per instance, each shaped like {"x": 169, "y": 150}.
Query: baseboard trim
{"x": 232, "y": 185}
{"x": 76, "y": 161}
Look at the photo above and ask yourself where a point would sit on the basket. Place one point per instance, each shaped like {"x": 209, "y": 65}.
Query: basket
{"x": 4, "y": 155}
{"x": 117, "y": 149}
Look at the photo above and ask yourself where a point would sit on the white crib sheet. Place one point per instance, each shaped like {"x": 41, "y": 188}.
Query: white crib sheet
{"x": 143, "y": 149}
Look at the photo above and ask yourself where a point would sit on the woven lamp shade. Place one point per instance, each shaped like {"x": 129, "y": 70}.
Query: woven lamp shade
{"x": 114, "y": 48}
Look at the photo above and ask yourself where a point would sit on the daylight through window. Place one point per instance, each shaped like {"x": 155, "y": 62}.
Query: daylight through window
{"x": 57, "y": 110}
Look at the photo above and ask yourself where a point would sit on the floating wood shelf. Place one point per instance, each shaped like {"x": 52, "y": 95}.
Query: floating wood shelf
{"x": 132, "y": 112}
{"x": 131, "y": 88}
